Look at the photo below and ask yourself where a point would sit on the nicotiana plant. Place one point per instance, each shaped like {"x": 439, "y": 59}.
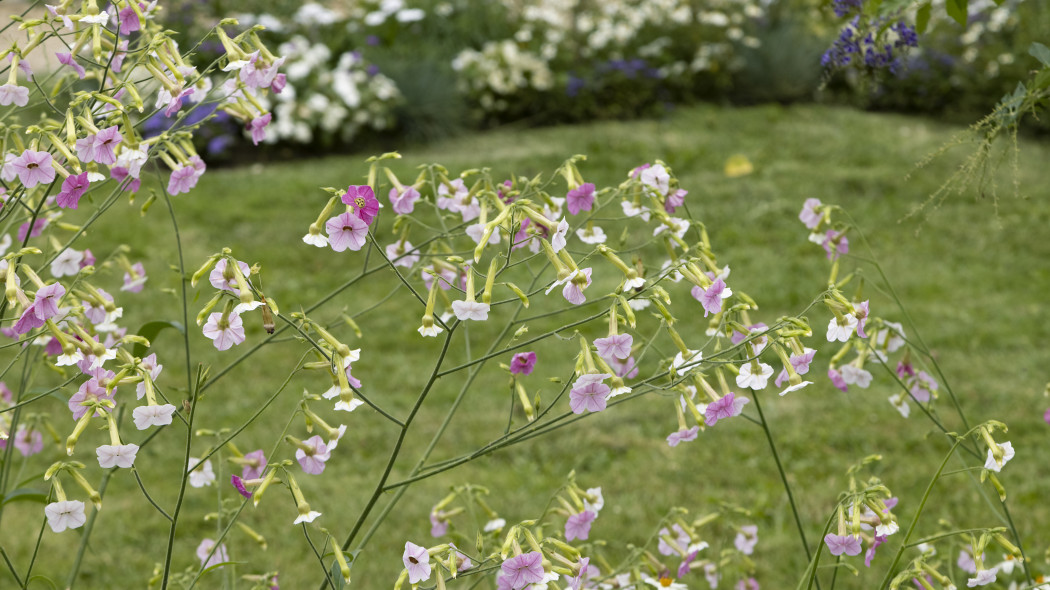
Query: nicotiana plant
{"x": 619, "y": 289}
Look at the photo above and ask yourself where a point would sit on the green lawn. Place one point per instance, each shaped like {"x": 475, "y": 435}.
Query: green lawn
{"x": 973, "y": 275}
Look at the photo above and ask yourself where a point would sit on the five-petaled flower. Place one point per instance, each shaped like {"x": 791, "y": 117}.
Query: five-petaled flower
{"x": 417, "y": 562}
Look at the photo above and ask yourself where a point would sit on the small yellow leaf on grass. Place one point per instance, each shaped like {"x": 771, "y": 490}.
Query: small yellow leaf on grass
{"x": 738, "y": 165}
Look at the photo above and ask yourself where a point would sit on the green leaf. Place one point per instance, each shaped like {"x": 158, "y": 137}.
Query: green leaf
{"x": 957, "y": 9}
{"x": 24, "y": 495}
{"x": 1040, "y": 52}
{"x": 149, "y": 331}
{"x": 922, "y": 18}
{"x": 337, "y": 576}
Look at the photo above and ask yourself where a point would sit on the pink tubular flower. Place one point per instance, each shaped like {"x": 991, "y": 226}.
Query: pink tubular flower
{"x": 33, "y": 168}
{"x": 522, "y": 570}
{"x": 90, "y": 391}
{"x": 726, "y": 407}
{"x": 573, "y": 291}
{"x": 802, "y": 361}
{"x": 578, "y": 526}
{"x": 314, "y": 462}
{"x": 218, "y": 279}
{"x": 589, "y": 394}
{"x": 615, "y": 346}
{"x": 67, "y": 59}
{"x": 129, "y": 20}
{"x": 417, "y": 562}
{"x": 224, "y": 332}
{"x": 682, "y": 436}
{"x": 346, "y": 231}
{"x": 835, "y": 244}
{"x": 870, "y": 553}
{"x": 674, "y": 201}
{"x": 711, "y": 297}
{"x": 106, "y": 141}
{"x": 523, "y": 363}
{"x": 182, "y": 180}
{"x": 839, "y": 544}
{"x": 257, "y": 127}
{"x": 254, "y": 464}
{"x": 404, "y": 202}
{"x": 135, "y": 280}
{"x": 363, "y": 200}
{"x": 580, "y": 198}
{"x": 45, "y": 304}
{"x": 239, "y": 484}
{"x": 438, "y": 527}
{"x": 73, "y": 187}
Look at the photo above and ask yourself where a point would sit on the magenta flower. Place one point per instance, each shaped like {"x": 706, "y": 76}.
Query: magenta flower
{"x": 257, "y": 127}
{"x": 313, "y": 462}
{"x": 363, "y": 200}
{"x": 33, "y": 168}
{"x": 417, "y": 562}
{"x": 726, "y": 407}
{"x": 681, "y": 436}
{"x": 73, "y": 187}
{"x": 224, "y": 332}
{"x": 589, "y": 393}
{"x": 711, "y": 297}
{"x": 522, "y": 570}
{"x": 45, "y": 305}
{"x": 580, "y": 198}
{"x": 687, "y": 562}
{"x": 239, "y": 484}
{"x": 254, "y": 464}
{"x": 615, "y": 346}
{"x": 523, "y": 363}
{"x": 405, "y": 201}
{"x": 129, "y": 20}
{"x": 839, "y": 544}
{"x": 106, "y": 141}
{"x": 34, "y": 231}
{"x": 67, "y": 59}
{"x": 346, "y": 231}
{"x": 1046, "y": 416}
{"x": 870, "y": 553}
{"x": 578, "y": 526}
{"x": 278, "y": 84}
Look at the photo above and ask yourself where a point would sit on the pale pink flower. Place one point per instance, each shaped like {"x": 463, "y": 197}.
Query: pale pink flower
{"x": 314, "y": 461}
{"x": 810, "y": 216}
{"x": 573, "y": 291}
{"x": 12, "y": 93}
{"x": 681, "y": 436}
{"x": 28, "y": 442}
{"x": 417, "y": 562}
{"x": 254, "y": 465}
{"x": 73, "y": 187}
{"x": 580, "y": 198}
{"x": 68, "y": 60}
{"x": 615, "y": 345}
{"x": 558, "y": 239}
{"x": 257, "y": 127}
{"x": 346, "y": 231}
{"x": 33, "y": 168}
{"x": 746, "y": 539}
{"x": 217, "y": 276}
{"x": 839, "y": 544}
{"x": 224, "y": 333}
{"x": 578, "y": 526}
{"x": 589, "y": 394}
{"x": 201, "y": 473}
{"x": 146, "y": 416}
{"x": 522, "y": 570}
{"x": 217, "y": 556}
{"x": 726, "y": 407}
{"x": 403, "y": 202}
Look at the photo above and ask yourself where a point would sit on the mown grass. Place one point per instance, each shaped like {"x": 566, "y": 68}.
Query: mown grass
{"x": 972, "y": 275}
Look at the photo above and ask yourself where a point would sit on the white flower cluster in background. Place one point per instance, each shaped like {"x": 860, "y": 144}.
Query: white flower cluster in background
{"x": 670, "y": 37}
{"x": 329, "y": 97}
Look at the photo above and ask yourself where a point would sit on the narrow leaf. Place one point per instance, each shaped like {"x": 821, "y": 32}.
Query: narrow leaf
{"x": 149, "y": 331}
{"x": 957, "y": 9}
{"x": 1040, "y": 52}
{"x": 922, "y": 18}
